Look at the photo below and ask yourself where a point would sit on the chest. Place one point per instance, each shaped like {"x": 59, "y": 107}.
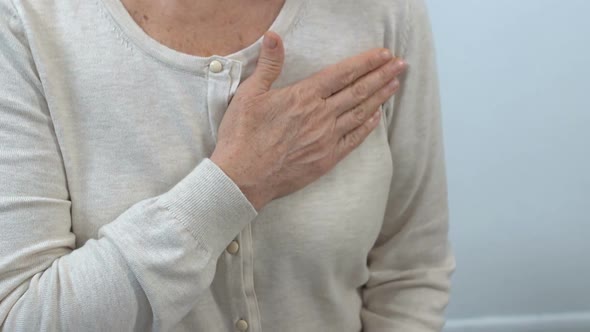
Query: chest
{"x": 135, "y": 139}
{"x": 222, "y": 30}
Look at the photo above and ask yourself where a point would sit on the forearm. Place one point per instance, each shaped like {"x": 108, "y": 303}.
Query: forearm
{"x": 147, "y": 266}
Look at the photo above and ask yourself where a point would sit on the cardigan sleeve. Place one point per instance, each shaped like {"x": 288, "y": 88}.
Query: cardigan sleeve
{"x": 147, "y": 267}
{"x": 411, "y": 262}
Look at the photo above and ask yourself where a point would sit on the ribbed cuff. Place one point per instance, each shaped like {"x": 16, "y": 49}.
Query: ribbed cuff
{"x": 210, "y": 205}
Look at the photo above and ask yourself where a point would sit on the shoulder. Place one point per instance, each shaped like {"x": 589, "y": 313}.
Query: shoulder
{"x": 49, "y": 13}
{"x": 48, "y": 25}
{"x": 362, "y": 14}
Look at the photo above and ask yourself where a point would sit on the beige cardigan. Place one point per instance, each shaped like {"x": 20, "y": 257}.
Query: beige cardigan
{"x": 112, "y": 217}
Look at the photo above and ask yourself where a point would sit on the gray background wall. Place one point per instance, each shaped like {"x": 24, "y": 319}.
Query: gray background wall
{"x": 515, "y": 87}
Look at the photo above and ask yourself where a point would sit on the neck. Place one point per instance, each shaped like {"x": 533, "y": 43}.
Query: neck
{"x": 189, "y": 12}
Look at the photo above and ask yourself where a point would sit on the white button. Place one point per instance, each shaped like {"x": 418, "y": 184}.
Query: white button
{"x": 233, "y": 247}
{"x": 242, "y": 325}
{"x": 215, "y": 66}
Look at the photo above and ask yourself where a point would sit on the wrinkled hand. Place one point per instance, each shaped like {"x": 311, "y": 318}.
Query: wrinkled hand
{"x": 274, "y": 142}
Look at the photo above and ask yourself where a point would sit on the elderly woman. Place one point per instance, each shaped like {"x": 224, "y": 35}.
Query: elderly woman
{"x": 221, "y": 165}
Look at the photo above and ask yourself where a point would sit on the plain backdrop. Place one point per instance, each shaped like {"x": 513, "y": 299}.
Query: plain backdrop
{"x": 515, "y": 89}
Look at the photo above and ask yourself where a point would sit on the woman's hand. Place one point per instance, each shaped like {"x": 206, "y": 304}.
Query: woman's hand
{"x": 274, "y": 142}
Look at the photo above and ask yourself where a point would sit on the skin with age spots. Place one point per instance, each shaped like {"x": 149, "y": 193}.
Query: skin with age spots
{"x": 273, "y": 142}
{"x": 204, "y": 27}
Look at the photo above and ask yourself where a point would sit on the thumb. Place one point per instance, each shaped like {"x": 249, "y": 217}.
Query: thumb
{"x": 270, "y": 62}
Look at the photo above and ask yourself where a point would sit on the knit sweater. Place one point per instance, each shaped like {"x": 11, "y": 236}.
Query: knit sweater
{"x": 113, "y": 217}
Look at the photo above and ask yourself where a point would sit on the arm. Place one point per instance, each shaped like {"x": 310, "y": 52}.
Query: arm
{"x": 147, "y": 267}
{"x": 411, "y": 261}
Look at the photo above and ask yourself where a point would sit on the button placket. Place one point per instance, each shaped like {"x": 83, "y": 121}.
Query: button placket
{"x": 219, "y": 81}
{"x": 242, "y": 325}
{"x": 234, "y": 281}
{"x": 248, "y": 278}
{"x": 223, "y": 79}
{"x": 215, "y": 66}
{"x": 233, "y": 247}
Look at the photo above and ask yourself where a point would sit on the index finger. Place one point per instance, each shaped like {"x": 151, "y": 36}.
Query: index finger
{"x": 338, "y": 76}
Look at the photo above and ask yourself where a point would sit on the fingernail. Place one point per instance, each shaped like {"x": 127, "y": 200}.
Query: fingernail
{"x": 270, "y": 42}
{"x": 401, "y": 63}
{"x": 397, "y": 65}
{"x": 386, "y": 54}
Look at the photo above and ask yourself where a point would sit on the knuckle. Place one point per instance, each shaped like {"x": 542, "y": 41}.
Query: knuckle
{"x": 385, "y": 95}
{"x": 353, "y": 140}
{"x": 359, "y": 114}
{"x": 367, "y": 128}
{"x": 348, "y": 76}
{"x": 384, "y": 74}
{"x": 360, "y": 91}
{"x": 296, "y": 95}
{"x": 270, "y": 66}
{"x": 315, "y": 91}
{"x": 373, "y": 62}
{"x": 315, "y": 87}
{"x": 386, "y": 92}
{"x": 305, "y": 94}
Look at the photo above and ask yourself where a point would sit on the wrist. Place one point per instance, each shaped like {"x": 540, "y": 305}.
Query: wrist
{"x": 257, "y": 197}
{"x": 256, "y": 194}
